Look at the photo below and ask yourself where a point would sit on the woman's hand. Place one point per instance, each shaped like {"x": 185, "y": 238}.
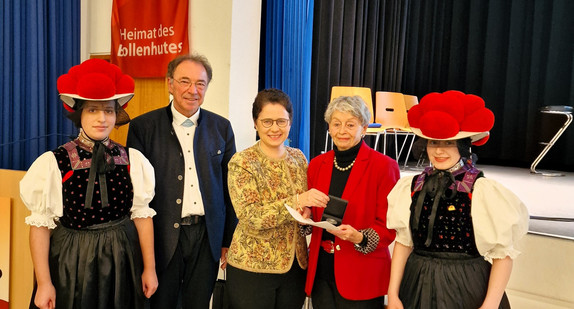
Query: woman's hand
{"x": 348, "y": 233}
{"x": 305, "y": 212}
{"x": 394, "y": 303}
{"x": 313, "y": 198}
{"x": 45, "y": 296}
{"x": 499, "y": 276}
{"x": 40, "y": 247}
{"x": 149, "y": 282}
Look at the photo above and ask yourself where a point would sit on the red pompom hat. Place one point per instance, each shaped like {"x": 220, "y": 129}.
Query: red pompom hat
{"x": 451, "y": 115}
{"x": 95, "y": 80}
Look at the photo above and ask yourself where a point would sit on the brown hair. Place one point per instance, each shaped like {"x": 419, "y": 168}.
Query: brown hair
{"x": 76, "y": 116}
{"x": 271, "y": 95}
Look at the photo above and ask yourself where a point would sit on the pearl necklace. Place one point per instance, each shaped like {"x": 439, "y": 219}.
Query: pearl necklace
{"x": 342, "y": 169}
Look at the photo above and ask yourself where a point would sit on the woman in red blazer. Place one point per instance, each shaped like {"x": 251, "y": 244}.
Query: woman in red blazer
{"x": 349, "y": 267}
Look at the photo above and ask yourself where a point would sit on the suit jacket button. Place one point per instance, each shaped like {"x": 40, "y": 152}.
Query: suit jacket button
{"x": 338, "y": 247}
{"x": 179, "y": 177}
{"x": 176, "y": 225}
{"x": 178, "y": 201}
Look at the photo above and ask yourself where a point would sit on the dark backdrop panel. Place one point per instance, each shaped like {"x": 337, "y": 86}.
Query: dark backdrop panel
{"x": 517, "y": 55}
{"x": 355, "y": 43}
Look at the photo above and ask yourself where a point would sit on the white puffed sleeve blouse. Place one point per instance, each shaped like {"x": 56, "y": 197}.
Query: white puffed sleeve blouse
{"x": 499, "y": 217}
{"x": 41, "y": 189}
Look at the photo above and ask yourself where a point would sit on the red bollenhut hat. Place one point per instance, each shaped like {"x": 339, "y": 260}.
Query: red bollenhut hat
{"x": 95, "y": 80}
{"x": 451, "y": 115}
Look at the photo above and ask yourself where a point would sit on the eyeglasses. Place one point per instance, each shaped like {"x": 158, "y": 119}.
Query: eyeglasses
{"x": 281, "y": 122}
{"x": 186, "y": 83}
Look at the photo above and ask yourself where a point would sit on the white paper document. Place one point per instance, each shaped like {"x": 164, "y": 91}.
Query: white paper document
{"x": 323, "y": 224}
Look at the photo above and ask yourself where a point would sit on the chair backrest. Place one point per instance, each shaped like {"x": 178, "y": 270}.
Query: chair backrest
{"x": 391, "y": 110}
{"x": 410, "y": 101}
{"x": 363, "y": 92}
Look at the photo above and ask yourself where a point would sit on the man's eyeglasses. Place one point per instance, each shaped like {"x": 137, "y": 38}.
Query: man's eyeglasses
{"x": 281, "y": 122}
{"x": 186, "y": 83}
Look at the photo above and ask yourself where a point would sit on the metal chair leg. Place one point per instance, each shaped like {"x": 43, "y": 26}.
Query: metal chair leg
{"x": 377, "y": 141}
{"x": 396, "y": 148}
{"x": 409, "y": 151}
{"x": 326, "y": 141}
{"x": 385, "y": 142}
{"x": 548, "y": 146}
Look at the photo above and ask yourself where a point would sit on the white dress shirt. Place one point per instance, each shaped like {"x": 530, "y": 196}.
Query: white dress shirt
{"x": 192, "y": 201}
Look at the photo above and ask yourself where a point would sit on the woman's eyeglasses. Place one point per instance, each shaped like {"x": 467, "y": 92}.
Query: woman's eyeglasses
{"x": 281, "y": 122}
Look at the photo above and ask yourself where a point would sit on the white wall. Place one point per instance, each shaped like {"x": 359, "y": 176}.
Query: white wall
{"x": 543, "y": 275}
{"x": 226, "y": 32}
{"x": 245, "y": 35}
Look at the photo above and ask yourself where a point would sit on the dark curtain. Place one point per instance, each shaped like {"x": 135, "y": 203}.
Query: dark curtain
{"x": 40, "y": 41}
{"x": 355, "y": 43}
{"x": 517, "y": 55}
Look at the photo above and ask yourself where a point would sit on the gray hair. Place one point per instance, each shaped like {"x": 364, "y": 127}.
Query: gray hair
{"x": 354, "y": 105}
{"x": 197, "y": 58}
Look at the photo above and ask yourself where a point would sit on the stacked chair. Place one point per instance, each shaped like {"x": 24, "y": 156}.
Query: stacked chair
{"x": 391, "y": 113}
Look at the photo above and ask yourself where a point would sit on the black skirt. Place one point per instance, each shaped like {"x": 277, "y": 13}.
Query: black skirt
{"x": 97, "y": 267}
{"x": 445, "y": 280}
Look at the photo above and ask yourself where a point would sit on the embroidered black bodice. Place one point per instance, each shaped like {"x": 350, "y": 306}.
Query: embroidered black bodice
{"x": 74, "y": 162}
{"x": 450, "y": 224}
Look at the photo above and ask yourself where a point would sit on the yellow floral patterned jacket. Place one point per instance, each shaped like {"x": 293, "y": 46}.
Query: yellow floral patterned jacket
{"x": 267, "y": 238}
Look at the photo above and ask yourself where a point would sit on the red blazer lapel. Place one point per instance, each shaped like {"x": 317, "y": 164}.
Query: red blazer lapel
{"x": 326, "y": 170}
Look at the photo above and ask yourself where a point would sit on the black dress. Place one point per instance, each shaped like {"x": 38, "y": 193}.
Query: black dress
{"x": 95, "y": 258}
{"x": 445, "y": 269}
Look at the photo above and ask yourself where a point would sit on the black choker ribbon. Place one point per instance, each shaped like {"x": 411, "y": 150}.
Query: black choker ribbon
{"x": 102, "y": 162}
{"x": 435, "y": 186}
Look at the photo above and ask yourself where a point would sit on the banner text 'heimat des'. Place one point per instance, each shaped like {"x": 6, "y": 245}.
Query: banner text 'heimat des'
{"x": 141, "y": 42}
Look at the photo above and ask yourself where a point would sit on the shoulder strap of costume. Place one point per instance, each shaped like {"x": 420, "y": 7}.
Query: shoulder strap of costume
{"x": 420, "y": 180}
{"x": 75, "y": 161}
{"x": 123, "y": 158}
{"x": 467, "y": 182}
{"x": 465, "y": 185}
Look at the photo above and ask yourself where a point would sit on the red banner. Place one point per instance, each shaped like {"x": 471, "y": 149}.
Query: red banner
{"x": 148, "y": 34}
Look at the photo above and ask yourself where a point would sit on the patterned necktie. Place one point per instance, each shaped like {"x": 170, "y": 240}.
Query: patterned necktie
{"x": 187, "y": 123}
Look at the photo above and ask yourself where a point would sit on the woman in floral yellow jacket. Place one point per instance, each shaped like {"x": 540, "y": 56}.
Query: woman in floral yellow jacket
{"x": 268, "y": 255}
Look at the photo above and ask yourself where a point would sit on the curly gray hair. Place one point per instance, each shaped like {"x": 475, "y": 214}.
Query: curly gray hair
{"x": 354, "y": 105}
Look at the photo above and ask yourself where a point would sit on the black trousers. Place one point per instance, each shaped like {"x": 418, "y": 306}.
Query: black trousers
{"x": 249, "y": 290}
{"x": 326, "y": 296}
{"x": 190, "y": 275}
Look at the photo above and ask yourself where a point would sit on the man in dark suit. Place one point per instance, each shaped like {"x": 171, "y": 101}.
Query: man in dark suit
{"x": 189, "y": 148}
